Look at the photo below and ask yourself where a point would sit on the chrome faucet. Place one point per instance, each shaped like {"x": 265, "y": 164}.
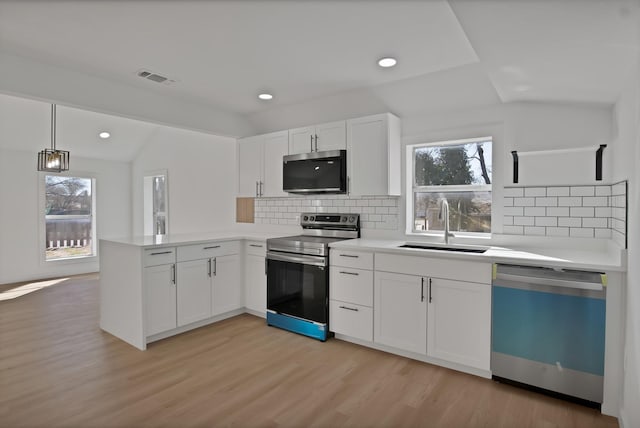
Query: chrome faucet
{"x": 444, "y": 215}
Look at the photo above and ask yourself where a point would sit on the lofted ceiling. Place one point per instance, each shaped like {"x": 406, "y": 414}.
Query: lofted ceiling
{"x": 451, "y": 55}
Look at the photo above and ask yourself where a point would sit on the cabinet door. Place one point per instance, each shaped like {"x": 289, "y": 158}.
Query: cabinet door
{"x": 373, "y": 145}
{"x": 227, "y": 293}
{"x": 160, "y": 298}
{"x": 301, "y": 140}
{"x": 276, "y": 146}
{"x": 194, "y": 291}
{"x": 460, "y": 322}
{"x": 249, "y": 165}
{"x": 331, "y": 136}
{"x": 255, "y": 284}
{"x": 400, "y": 312}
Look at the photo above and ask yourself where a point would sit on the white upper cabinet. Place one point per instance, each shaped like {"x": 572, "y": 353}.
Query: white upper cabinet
{"x": 260, "y": 164}
{"x": 318, "y": 138}
{"x": 276, "y": 146}
{"x": 373, "y": 152}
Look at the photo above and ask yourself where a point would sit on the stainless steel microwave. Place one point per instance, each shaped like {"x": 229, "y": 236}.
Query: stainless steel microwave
{"x": 315, "y": 172}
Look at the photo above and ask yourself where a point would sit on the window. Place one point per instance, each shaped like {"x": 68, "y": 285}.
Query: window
{"x": 458, "y": 171}
{"x": 155, "y": 203}
{"x": 69, "y": 219}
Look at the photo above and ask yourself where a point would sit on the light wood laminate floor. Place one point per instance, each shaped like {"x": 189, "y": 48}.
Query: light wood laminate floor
{"x": 57, "y": 368}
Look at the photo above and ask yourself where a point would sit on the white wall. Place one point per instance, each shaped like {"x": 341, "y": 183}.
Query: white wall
{"x": 202, "y": 179}
{"x": 20, "y": 257}
{"x": 626, "y": 157}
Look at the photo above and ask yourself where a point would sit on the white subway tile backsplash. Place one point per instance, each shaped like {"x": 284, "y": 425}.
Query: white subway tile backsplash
{"x": 376, "y": 212}
{"x": 581, "y": 232}
{"x": 535, "y": 211}
{"x": 535, "y": 191}
{"x": 603, "y": 190}
{"x": 507, "y": 220}
{"x": 508, "y": 202}
{"x": 513, "y": 230}
{"x": 619, "y": 189}
{"x": 513, "y": 211}
{"x": 558, "y": 211}
{"x": 514, "y": 192}
{"x": 524, "y": 202}
{"x": 523, "y": 221}
{"x": 558, "y": 191}
{"x": 546, "y": 221}
{"x": 595, "y": 222}
{"x": 595, "y": 201}
{"x": 582, "y": 191}
{"x": 602, "y": 233}
{"x": 533, "y": 230}
{"x": 547, "y": 202}
{"x": 603, "y": 211}
{"x": 570, "y": 201}
{"x": 557, "y": 231}
{"x": 569, "y": 222}
{"x": 581, "y": 211}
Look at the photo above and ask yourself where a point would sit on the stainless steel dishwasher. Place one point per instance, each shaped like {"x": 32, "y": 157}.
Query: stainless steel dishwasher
{"x": 548, "y": 329}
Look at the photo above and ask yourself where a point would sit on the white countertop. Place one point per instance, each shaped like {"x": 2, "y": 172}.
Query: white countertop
{"x": 600, "y": 260}
{"x": 192, "y": 238}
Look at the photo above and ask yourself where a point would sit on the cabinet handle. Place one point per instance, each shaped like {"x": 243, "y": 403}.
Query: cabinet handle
{"x": 349, "y": 309}
{"x": 266, "y": 264}
{"x": 316, "y": 142}
{"x": 348, "y": 185}
{"x": 173, "y": 274}
{"x": 349, "y": 273}
{"x": 311, "y": 141}
{"x": 349, "y": 255}
{"x": 422, "y": 289}
{"x": 215, "y": 266}
{"x": 255, "y": 245}
{"x": 211, "y": 248}
{"x": 209, "y": 268}
{"x": 429, "y": 290}
{"x": 261, "y": 190}
{"x": 257, "y": 189}
{"x": 162, "y": 252}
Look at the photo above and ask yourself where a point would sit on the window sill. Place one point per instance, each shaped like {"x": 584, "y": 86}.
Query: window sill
{"x": 73, "y": 260}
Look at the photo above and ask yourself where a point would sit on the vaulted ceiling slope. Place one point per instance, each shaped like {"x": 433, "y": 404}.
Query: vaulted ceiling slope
{"x": 221, "y": 54}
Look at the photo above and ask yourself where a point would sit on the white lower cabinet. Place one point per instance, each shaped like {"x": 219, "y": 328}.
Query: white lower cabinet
{"x": 226, "y": 290}
{"x": 400, "y": 312}
{"x": 160, "y": 298}
{"x": 459, "y": 327}
{"x": 351, "y": 320}
{"x": 194, "y": 291}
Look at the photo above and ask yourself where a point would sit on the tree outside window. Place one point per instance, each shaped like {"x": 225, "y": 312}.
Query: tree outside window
{"x": 459, "y": 172}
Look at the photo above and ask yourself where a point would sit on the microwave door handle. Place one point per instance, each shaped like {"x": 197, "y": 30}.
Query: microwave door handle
{"x": 316, "y": 142}
{"x": 311, "y": 142}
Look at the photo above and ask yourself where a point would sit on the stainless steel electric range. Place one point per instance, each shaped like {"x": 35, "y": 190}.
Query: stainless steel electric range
{"x": 298, "y": 273}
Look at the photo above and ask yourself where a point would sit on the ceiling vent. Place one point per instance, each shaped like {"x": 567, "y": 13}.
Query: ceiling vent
{"x": 155, "y": 77}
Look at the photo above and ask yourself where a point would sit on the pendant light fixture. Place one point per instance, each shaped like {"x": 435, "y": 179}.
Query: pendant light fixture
{"x": 53, "y": 160}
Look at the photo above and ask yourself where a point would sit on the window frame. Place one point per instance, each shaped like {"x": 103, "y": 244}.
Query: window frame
{"x": 413, "y": 188}
{"x": 43, "y": 226}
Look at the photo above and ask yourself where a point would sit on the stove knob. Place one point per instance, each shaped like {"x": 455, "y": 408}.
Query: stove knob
{"x": 312, "y": 218}
{"x": 343, "y": 219}
{"x": 352, "y": 219}
{"x": 305, "y": 218}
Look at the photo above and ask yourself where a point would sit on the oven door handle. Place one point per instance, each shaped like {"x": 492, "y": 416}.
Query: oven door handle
{"x": 297, "y": 258}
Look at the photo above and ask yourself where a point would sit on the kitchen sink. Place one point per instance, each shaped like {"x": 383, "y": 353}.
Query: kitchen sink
{"x": 455, "y": 248}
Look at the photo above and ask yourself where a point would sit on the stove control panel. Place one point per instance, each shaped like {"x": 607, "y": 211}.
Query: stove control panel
{"x": 317, "y": 219}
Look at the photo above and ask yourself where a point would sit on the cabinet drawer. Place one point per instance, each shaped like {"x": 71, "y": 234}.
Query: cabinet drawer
{"x": 159, "y": 256}
{"x": 256, "y": 248}
{"x": 351, "y": 320}
{"x": 462, "y": 270}
{"x": 207, "y": 250}
{"x": 351, "y": 285}
{"x": 353, "y": 259}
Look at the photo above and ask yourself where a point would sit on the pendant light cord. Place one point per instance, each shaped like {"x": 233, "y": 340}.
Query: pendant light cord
{"x": 53, "y": 127}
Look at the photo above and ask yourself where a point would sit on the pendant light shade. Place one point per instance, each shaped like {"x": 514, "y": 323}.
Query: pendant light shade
{"x": 53, "y": 160}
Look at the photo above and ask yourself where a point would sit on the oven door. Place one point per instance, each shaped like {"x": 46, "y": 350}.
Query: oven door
{"x": 298, "y": 285}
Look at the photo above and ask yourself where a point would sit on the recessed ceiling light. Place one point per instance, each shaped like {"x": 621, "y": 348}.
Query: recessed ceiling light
{"x": 387, "y": 62}
{"x": 104, "y": 135}
{"x": 265, "y": 96}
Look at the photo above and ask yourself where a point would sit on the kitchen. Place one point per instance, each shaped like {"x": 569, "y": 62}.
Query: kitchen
{"x": 205, "y": 172}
